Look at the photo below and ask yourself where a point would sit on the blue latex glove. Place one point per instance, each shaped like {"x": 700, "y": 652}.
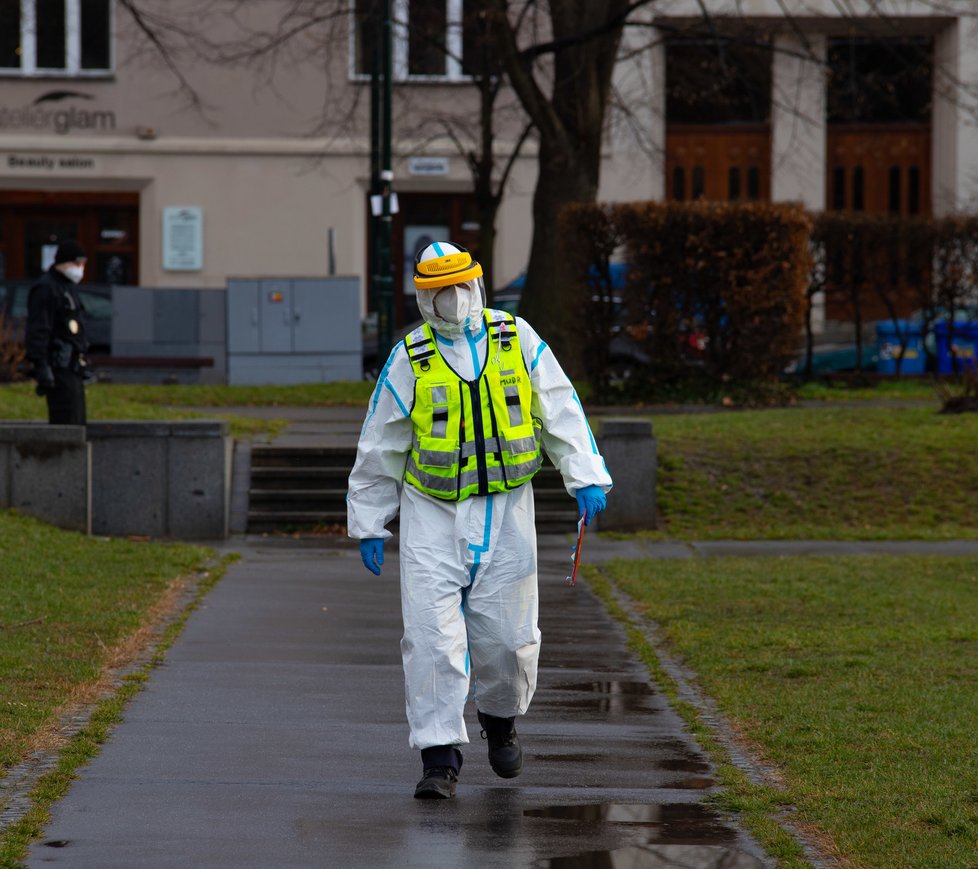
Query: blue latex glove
{"x": 590, "y": 500}
{"x": 372, "y": 553}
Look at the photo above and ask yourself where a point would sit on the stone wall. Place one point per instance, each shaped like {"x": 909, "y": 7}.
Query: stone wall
{"x": 45, "y": 471}
{"x": 158, "y": 479}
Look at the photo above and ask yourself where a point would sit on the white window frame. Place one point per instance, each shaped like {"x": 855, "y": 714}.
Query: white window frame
{"x": 73, "y": 34}
{"x": 400, "y": 11}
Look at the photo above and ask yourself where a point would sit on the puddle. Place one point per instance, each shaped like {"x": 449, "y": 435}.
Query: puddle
{"x": 675, "y": 834}
{"x": 607, "y": 687}
{"x": 610, "y": 704}
{"x": 694, "y": 782}
{"x": 569, "y": 758}
{"x": 684, "y": 764}
{"x": 605, "y": 697}
{"x": 655, "y": 856}
{"x": 675, "y": 822}
{"x": 56, "y": 843}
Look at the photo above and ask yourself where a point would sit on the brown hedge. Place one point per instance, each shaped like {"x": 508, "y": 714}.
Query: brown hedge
{"x": 11, "y": 353}
{"x": 886, "y": 267}
{"x": 716, "y": 291}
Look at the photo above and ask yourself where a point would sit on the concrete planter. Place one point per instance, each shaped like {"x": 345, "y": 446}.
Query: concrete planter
{"x": 45, "y": 472}
{"x": 628, "y": 447}
{"x": 158, "y": 479}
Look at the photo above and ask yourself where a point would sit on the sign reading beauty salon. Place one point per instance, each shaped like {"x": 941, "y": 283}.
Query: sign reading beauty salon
{"x": 48, "y": 162}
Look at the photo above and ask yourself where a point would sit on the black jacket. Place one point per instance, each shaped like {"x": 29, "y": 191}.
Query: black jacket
{"x": 55, "y": 322}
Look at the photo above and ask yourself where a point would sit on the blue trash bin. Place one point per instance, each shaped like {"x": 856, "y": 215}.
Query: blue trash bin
{"x": 888, "y": 344}
{"x": 963, "y": 339}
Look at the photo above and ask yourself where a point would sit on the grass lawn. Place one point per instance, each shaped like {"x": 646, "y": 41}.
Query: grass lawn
{"x": 894, "y": 389}
{"x": 857, "y": 677}
{"x": 116, "y": 401}
{"x": 69, "y": 605}
{"x": 835, "y": 472}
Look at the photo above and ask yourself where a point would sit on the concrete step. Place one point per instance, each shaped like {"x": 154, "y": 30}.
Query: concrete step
{"x": 304, "y": 487}
{"x": 268, "y": 498}
{"x": 302, "y": 457}
{"x": 299, "y": 478}
{"x": 261, "y": 521}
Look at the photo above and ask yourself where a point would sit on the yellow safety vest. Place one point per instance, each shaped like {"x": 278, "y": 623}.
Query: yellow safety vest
{"x": 472, "y": 437}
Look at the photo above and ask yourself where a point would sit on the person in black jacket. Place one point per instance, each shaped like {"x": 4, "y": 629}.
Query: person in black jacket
{"x": 55, "y": 339}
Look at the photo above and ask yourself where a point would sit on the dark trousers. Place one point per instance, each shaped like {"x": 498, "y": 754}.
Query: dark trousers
{"x": 66, "y": 402}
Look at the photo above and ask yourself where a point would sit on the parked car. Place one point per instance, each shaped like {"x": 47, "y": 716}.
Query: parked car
{"x": 96, "y": 299}
{"x": 626, "y": 356}
{"x": 831, "y": 358}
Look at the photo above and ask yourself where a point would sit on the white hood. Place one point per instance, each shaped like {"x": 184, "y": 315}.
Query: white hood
{"x": 467, "y": 307}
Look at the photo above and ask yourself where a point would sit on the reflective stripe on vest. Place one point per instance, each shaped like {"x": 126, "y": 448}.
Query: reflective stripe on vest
{"x": 472, "y": 437}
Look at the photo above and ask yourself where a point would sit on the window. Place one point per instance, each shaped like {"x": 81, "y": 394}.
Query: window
{"x": 435, "y": 40}
{"x": 678, "y": 184}
{"x": 718, "y": 80}
{"x": 880, "y": 81}
{"x": 733, "y": 183}
{"x": 427, "y": 29}
{"x": 44, "y": 37}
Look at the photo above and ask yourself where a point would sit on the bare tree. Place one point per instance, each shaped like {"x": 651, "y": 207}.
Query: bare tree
{"x": 564, "y": 84}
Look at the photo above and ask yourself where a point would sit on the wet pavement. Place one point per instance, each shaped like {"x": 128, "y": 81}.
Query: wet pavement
{"x": 274, "y": 736}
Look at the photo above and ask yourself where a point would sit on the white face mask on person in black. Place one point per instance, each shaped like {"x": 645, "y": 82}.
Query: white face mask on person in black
{"x": 73, "y": 272}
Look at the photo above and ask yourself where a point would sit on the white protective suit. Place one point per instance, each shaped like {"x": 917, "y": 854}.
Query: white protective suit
{"x": 468, "y": 568}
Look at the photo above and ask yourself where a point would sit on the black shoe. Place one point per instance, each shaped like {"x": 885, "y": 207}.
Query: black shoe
{"x": 505, "y": 754}
{"x": 437, "y": 783}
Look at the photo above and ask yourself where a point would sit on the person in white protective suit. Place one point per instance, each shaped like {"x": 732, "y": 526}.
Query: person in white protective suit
{"x": 452, "y": 436}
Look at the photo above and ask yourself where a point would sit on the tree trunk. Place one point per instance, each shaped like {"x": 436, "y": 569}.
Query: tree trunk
{"x": 544, "y": 303}
{"x": 569, "y": 116}
{"x": 487, "y": 242}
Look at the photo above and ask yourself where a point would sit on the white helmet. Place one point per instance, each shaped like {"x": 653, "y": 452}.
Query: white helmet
{"x": 442, "y": 264}
{"x": 449, "y": 288}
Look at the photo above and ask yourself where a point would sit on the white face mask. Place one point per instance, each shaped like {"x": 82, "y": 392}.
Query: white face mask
{"x": 73, "y": 273}
{"x": 453, "y": 304}
{"x": 451, "y": 309}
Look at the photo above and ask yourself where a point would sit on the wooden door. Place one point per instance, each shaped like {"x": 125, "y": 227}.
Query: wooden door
{"x": 32, "y": 223}
{"x": 879, "y": 169}
{"x": 449, "y": 216}
{"x": 718, "y": 163}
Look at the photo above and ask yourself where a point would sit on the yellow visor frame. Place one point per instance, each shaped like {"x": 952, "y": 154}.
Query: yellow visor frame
{"x": 446, "y": 271}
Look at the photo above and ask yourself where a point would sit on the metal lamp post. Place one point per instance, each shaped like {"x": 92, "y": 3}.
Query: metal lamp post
{"x": 381, "y": 181}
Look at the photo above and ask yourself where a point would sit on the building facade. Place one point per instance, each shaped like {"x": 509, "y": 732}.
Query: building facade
{"x": 863, "y": 106}
{"x": 268, "y": 174}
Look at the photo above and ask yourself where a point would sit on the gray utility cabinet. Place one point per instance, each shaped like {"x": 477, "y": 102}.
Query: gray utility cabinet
{"x": 170, "y": 326}
{"x": 294, "y": 330}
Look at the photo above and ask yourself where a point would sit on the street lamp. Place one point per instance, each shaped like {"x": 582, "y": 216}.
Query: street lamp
{"x": 382, "y": 203}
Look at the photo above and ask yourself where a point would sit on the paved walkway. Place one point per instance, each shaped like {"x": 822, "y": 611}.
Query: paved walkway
{"x": 274, "y": 736}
